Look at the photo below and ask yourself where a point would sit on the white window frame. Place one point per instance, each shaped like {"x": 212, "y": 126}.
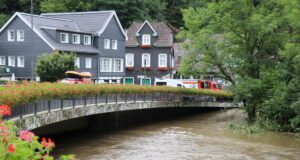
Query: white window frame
{"x": 89, "y": 40}
{"x": 88, "y": 62}
{"x": 20, "y": 35}
{"x": 115, "y": 62}
{"x": 12, "y": 61}
{"x": 130, "y": 78}
{"x": 77, "y": 62}
{"x": 11, "y": 35}
{"x": 19, "y": 64}
{"x": 148, "y": 63}
{"x": 108, "y": 68}
{"x": 106, "y": 43}
{"x": 76, "y": 37}
{"x": 141, "y": 80}
{"x": 160, "y": 64}
{"x": 146, "y": 39}
{"x": 114, "y": 44}
{"x": 128, "y": 60}
{"x": 67, "y": 38}
{"x": 2, "y": 60}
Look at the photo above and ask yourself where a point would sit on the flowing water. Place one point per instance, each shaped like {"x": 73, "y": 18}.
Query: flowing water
{"x": 197, "y": 137}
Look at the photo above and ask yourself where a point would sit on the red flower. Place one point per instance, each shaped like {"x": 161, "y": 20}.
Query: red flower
{"x": 162, "y": 68}
{"x": 5, "y": 110}
{"x": 129, "y": 68}
{"x": 47, "y": 144}
{"x": 11, "y": 147}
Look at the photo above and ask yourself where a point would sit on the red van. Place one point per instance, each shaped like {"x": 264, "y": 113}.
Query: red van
{"x": 215, "y": 86}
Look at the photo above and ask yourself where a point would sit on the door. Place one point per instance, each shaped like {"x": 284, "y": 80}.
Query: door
{"x": 128, "y": 80}
{"x": 146, "y": 81}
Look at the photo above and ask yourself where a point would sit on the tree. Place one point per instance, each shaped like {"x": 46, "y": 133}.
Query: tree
{"x": 239, "y": 38}
{"x": 134, "y": 10}
{"x": 65, "y": 5}
{"x": 52, "y": 67}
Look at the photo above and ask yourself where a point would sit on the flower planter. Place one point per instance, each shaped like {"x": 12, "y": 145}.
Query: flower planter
{"x": 145, "y": 46}
{"x": 146, "y": 68}
{"x": 129, "y": 68}
{"x": 162, "y": 68}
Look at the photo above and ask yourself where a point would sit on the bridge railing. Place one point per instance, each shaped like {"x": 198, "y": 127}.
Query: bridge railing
{"x": 48, "y": 105}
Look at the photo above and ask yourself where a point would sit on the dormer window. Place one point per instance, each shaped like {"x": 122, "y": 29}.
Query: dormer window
{"x": 106, "y": 43}
{"x": 87, "y": 40}
{"x": 146, "y": 39}
{"x": 76, "y": 39}
{"x": 20, "y": 35}
{"x": 64, "y": 38}
{"x": 114, "y": 44}
{"x": 11, "y": 35}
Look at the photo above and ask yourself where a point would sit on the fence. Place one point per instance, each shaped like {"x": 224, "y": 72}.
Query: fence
{"x": 47, "y": 105}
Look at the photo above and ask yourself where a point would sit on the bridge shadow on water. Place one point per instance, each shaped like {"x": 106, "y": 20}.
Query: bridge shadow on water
{"x": 112, "y": 122}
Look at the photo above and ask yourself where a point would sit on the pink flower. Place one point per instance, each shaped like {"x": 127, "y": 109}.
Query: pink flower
{"x": 26, "y": 135}
{"x": 3, "y": 131}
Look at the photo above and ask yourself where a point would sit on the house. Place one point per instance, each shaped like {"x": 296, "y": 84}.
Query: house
{"x": 97, "y": 38}
{"x": 149, "y": 53}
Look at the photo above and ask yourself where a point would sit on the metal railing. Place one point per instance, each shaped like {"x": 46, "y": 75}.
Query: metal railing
{"x": 47, "y": 105}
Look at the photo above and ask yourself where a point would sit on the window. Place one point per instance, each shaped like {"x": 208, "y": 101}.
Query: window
{"x": 87, "y": 40}
{"x": 145, "y": 81}
{"x": 76, "y": 38}
{"x": 106, "y": 44}
{"x": 146, "y": 39}
{"x": 118, "y": 65}
{"x": 172, "y": 61}
{"x": 77, "y": 62}
{"x": 145, "y": 60}
{"x": 2, "y": 60}
{"x": 11, "y": 61}
{"x": 20, "y": 35}
{"x": 11, "y": 35}
{"x": 129, "y": 60}
{"x": 114, "y": 44}
{"x": 162, "y": 60}
{"x": 88, "y": 62}
{"x": 105, "y": 64}
{"x": 21, "y": 61}
{"x": 64, "y": 38}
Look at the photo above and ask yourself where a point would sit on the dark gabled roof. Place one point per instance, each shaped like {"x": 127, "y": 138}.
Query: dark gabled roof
{"x": 86, "y": 21}
{"x": 164, "y": 33}
{"x": 93, "y": 23}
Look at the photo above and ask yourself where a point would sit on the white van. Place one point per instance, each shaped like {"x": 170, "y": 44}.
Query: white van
{"x": 168, "y": 82}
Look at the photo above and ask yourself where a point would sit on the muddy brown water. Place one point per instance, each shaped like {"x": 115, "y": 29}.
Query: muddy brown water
{"x": 197, "y": 137}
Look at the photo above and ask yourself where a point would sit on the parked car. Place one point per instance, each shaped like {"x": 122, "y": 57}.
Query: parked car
{"x": 74, "y": 77}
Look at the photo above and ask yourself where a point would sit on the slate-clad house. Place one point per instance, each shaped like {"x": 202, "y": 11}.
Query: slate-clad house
{"x": 149, "y": 53}
{"x": 97, "y": 38}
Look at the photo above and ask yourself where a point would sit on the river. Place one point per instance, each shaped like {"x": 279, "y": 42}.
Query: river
{"x": 197, "y": 137}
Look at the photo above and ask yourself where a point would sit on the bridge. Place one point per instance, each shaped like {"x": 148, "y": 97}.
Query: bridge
{"x": 46, "y": 112}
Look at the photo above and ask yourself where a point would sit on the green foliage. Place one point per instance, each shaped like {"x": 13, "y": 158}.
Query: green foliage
{"x": 256, "y": 47}
{"x": 65, "y": 5}
{"x": 52, "y": 67}
{"x": 3, "y": 19}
